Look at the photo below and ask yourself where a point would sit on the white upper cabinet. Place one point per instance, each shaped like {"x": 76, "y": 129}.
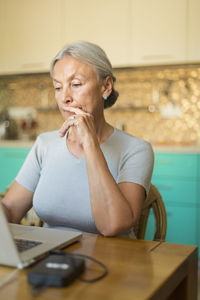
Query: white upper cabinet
{"x": 30, "y": 35}
{"x": 32, "y": 32}
{"x": 159, "y": 31}
{"x": 2, "y": 35}
{"x": 132, "y": 32}
{"x": 105, "y": 22}
{"x": 193, "y": 31}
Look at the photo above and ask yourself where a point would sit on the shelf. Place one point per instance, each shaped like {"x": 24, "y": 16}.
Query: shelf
{"x": 130, "y": 107}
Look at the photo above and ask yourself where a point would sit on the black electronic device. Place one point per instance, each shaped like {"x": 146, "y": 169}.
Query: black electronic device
{"x": 56, "y": 270}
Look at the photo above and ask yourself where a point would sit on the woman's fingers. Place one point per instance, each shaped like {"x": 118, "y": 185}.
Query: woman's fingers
{"x": 78, "y": 119}
{"x": 75, "y": 110}
{"x": 65, "y": 126}
{"x": 71, "y": 121}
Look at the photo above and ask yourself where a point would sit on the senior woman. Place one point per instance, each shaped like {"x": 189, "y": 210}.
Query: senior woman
{"x": 87, "y": 176}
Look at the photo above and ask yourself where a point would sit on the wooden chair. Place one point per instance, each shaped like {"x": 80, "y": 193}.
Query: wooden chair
{"x": 155, "y": 202}
{"x": 2, "y": 195}
{"x": 31, "y": 219}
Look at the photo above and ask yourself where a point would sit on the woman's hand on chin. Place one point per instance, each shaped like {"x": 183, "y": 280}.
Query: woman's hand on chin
{"x": 82, "y": 122}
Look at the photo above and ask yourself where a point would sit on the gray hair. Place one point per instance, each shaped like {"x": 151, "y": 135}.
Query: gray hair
{"x": 94, "y": 56}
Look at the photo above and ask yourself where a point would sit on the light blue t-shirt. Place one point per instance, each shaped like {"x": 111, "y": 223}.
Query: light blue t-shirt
{"x": 60, "y": 183}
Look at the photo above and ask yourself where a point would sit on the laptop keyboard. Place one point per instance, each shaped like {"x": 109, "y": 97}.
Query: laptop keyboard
{"x": 23, "y": 245}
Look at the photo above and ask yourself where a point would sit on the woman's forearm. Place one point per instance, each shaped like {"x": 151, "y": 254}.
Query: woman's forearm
{"x": 111, "y": 210}
{"x": 16, "y": 203}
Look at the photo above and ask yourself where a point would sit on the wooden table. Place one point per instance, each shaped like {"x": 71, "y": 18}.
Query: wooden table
{"x": 137, "y": 270}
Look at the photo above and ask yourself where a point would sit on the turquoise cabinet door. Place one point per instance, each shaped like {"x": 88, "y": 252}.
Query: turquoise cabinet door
{"x": 150, "y": 229}
{"x": 170, "y": 165}
{"x": 11, "y": 159}
{"x": 198, "y": 167}
{"x": 177, "y": 191}
{"x": 181, "y": 225}
{"x": 176, "y": 175}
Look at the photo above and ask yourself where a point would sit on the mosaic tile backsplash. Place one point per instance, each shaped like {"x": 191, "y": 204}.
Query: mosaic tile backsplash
{"x": 160, "y": 104}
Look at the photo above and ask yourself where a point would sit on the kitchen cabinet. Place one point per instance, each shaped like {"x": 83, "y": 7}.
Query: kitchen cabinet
{"x": 106, "y": 23}
{"x": 11, "y": 159}
{"x": 30, "y": 35}
{"x": 33, "y": 32}
{"x": 177, "y": 177}
{"x": 158, "y": 31}
{"x": 132, "y": 32}
{"x": 193, "y": 30}
{"x": 182, "y": 225}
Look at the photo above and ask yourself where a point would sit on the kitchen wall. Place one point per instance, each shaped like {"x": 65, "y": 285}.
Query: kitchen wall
{"x": 160, "y": 104}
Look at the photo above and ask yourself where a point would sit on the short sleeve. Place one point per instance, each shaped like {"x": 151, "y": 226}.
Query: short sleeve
{"x": 136, "y": 165}
{"x": 29, "y": 173}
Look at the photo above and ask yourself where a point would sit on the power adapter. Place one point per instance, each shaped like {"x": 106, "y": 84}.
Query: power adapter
{"x": 56, "y": 270}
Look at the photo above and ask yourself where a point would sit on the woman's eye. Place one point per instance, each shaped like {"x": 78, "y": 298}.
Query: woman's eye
{"x": 76, "y": 84}
{"x": 57, "y": 88}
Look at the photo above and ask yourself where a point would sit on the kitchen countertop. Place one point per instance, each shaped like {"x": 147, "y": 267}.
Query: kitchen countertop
{"x": 193, "y": 149}
{"x": 16, "y": 143}
{"x": 156, "y": 147}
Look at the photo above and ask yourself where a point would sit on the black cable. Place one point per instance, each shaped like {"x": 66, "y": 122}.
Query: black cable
{"x": 93, "y": 260}
{"x": 60, "y": 252}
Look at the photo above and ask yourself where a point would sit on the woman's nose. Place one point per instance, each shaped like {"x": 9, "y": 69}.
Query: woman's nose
{"x": 66, "y": 97}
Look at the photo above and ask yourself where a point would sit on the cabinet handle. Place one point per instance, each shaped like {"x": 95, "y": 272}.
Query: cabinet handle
{"x": 164, "y": 161}
{"x": 155, "y": 57}
{"x": 163, "y": 186}
{"x": 169, "y": 213}
{"x": 15, "y": 155}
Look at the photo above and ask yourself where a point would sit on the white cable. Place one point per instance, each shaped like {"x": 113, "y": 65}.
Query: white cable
{"x": 8, "y": 278}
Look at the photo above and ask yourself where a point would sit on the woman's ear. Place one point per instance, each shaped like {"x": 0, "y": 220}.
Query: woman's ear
{"x": 107, "y": 87}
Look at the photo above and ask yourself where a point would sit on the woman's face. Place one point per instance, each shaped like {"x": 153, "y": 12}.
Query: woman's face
{"x": 76, "y": 85}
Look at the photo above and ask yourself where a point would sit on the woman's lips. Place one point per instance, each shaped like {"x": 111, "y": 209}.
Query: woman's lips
{"x": 67, "y": 114}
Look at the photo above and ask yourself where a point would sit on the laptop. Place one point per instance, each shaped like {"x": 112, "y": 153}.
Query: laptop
{"x": 36, "y": 242}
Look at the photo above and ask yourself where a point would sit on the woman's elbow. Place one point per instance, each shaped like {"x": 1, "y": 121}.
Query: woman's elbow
{"x": 11, "y": 216}
{"x": 116, "y": 229}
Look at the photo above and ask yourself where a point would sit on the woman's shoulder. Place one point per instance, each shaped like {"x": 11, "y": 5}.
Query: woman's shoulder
{"x": 48, "y": 136}
{"x": 128, "y": 140}
{"x": 46, "y": 139}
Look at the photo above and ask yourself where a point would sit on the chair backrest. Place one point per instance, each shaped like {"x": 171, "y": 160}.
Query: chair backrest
{"x": 155, "y": 202}
{"x": 2, "y": 195}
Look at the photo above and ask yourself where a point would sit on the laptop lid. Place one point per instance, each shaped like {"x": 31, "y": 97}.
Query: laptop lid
{"x": 47, "y": 239}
